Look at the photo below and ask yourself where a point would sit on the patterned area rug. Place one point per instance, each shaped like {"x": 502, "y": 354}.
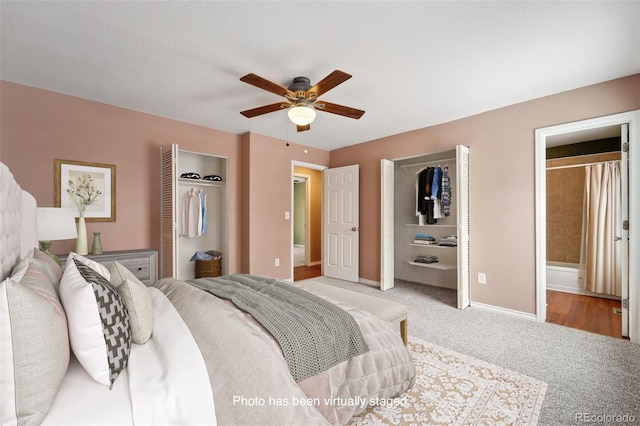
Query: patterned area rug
{"x": 455, "y": 389}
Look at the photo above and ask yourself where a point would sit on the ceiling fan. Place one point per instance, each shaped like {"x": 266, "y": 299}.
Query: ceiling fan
{"x": 302, "y": 98}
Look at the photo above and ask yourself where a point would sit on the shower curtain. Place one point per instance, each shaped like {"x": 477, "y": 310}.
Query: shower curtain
{"x": 600, "y": 253}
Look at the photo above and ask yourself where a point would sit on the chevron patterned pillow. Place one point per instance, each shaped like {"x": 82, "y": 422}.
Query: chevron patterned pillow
{"x": 98, "y": 321}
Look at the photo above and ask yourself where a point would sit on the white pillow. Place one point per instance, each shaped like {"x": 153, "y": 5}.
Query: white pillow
{"x": 98, "y": 319}
{"x": 137, "y": 299}
{"x": 34, "y": 345}
{"x": 98, "y": 267}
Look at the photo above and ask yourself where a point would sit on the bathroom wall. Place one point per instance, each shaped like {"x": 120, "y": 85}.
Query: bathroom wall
{"x": 565, "y": 190}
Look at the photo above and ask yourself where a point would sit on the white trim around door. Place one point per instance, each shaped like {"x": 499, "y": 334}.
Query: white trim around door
{"x": 632, "y": 119}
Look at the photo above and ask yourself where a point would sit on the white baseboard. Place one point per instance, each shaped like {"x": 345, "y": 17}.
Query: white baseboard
{"x": 505, "y": 311}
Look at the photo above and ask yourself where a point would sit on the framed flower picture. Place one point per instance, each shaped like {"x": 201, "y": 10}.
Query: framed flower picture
{"x": 87, "y": 188}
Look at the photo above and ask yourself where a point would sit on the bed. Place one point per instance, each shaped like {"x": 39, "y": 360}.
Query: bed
{"x": 90, "y": 345}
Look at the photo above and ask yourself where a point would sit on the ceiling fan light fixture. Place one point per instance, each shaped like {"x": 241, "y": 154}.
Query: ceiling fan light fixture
{"x": 301, "y": 115}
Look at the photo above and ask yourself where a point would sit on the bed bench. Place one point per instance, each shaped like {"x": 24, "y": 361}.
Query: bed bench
{"x": 387, "y": 310}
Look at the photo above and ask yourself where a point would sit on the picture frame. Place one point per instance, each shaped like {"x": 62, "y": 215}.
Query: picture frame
{"x": 103, "y": 176}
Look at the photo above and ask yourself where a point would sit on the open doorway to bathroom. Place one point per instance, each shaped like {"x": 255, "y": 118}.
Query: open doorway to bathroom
{"x": 577, "y": 165}
{"x": 628, "y": 124}
{"x": 307, "y": 223}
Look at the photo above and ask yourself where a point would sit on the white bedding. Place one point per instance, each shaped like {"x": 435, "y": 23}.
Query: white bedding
{"x": 82, "y": 401}
{"x": 165, "y": 383}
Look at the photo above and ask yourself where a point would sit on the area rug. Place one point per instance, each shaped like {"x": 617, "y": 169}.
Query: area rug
{"x": 455, "y": 389}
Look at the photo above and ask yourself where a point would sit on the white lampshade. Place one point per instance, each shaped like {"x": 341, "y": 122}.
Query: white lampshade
{"x": 56, "y": 224}
{"x": 302, "y": 115}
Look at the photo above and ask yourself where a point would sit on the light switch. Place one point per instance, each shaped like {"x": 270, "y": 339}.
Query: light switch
{"x": 287, "y": 216}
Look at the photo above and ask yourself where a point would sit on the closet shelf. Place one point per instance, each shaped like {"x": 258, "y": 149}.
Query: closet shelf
{"x": 436, "y": 225}
{"x": 433, "y": 246}
{"x": 195, "y": 182}
{"x": 437, "y": 265}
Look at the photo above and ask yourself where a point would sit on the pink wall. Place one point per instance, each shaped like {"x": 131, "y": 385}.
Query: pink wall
{"x": 267, "y": 177}
{"x": 38, "y": 126}
{"x": 502, "y": 183}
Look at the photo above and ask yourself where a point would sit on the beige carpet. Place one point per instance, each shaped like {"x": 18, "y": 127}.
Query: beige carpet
{"x": 455, "y": 389}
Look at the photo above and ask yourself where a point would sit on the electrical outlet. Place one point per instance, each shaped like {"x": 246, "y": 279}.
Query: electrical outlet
{"x": 482, "y": 278}
{"x": 277, "y": 261}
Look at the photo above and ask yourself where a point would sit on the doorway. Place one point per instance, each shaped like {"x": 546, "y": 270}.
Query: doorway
{"x": 628, "y": 123}
{"x": 580, "y": 293}
{"x": 306, "y": 244}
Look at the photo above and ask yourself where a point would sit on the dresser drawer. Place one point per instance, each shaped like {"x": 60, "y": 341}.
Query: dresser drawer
{"x": 140, "y": 267}
{"x": 142, "y": 263}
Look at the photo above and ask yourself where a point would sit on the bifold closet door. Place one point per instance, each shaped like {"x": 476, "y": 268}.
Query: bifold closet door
{"x": 386, "y": 221}
{"x": 462, "y": 201}
{"x": 168, "y": 211}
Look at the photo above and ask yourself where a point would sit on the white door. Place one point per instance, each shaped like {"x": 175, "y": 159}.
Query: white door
{"x": 633, "y": 279}
{"x": 624, "y": 237}
{"x": 341, "y": 223}
{"x": 386, "y": 222}
{"x": 462, "y": 199}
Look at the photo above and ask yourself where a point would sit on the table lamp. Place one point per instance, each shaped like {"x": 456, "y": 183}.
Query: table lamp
{"x": 55, "y": 223}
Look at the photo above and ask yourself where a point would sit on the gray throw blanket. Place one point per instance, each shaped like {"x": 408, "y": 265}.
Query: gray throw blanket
{"x": 314, "y": 334}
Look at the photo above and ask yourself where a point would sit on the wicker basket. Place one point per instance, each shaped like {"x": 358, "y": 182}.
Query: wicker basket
{"x": 208, "y": 268}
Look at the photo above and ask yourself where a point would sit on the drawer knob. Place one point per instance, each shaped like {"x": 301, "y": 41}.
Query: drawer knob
{"x": 140, "y": 268}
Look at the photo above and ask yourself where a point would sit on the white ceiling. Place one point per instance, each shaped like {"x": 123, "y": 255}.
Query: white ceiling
{"x": 414, "y": 64}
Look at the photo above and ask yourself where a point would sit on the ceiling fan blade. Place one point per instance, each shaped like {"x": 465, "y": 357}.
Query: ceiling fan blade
{"x": 338, "y": 109}
{"x": 264, "y": 109}
{"x": 265, "y": 84}
{"x": 304, "y": 128}
{"x": 329, "y": 82}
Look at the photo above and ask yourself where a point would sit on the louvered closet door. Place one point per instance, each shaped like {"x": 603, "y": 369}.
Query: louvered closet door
{"x": 168, "y": 211}
{"x": 387, "y": 233}
{"x": 462, "y": 200}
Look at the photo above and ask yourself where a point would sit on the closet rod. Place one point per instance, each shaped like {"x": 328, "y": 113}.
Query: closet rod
{"x": 425, "y": 163}
{"x": 581, "y": 165}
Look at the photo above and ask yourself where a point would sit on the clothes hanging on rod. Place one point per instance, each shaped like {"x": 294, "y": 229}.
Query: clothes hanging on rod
{"x": 427, "y": 190}
{"x": 433, "y": 193}
{"x": 191, "y": 218}
{"x": 445, "y": 196}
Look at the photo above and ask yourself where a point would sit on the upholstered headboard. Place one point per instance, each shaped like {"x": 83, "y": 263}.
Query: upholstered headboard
{"x": 18, "y": 235}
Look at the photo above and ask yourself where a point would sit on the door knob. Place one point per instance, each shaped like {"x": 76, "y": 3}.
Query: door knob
{"x": 354, "y": 229}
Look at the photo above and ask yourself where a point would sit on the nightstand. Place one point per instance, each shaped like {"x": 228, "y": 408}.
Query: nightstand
{"x": 142, "y": 262}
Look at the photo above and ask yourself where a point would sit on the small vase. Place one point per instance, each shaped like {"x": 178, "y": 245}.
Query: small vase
{"x": 96, "y": 248}
{"x": 81, "y": 242}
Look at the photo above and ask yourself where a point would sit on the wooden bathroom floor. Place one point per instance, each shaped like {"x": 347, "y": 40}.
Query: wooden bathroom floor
{"x": 306, "y": 272}
{"x": 587, "y": 313}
